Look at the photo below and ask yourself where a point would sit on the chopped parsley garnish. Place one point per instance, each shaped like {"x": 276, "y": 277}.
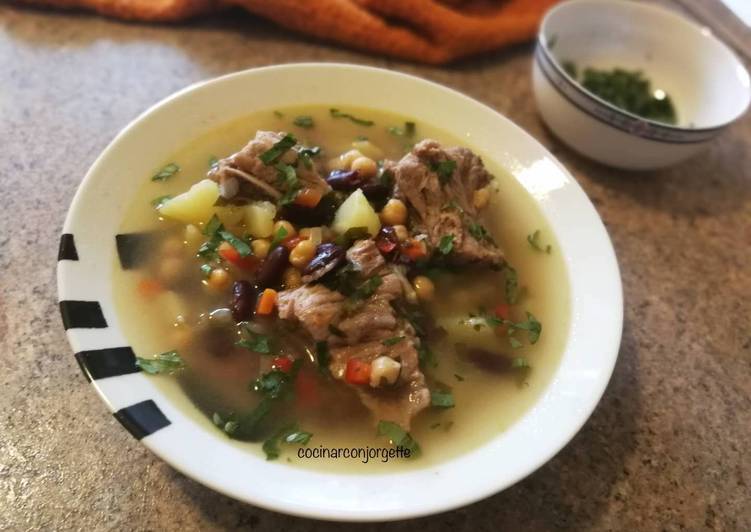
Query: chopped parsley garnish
{"x": 287, "y": 179}
{"x": 167, "y": 362}
{"x": 446, "y": 244}
{"x": 166, "y": 172}
{"x": 407, "y": 131}
{"x": 313, "y": 151}
{"x": 336, "y": 113}
{"x": 206, "y": 269}
{"x": 426, "y": 357}
{"x": 304, "y": 121}
{"x": 279, "y": 237}
{"x": 290, "y": 434}
{"x": 323, "y": 356}
{"x": 519, "y": 362}
{"x": 513, "y": 342}
{"x": 531, "y": 325}
{"x": 442, "y": 399}
{"x": 281, "y": 147}
{"x": 242, "y": 247}
{"x": 444, "y": 169}
{"x": 479, "y": 232}
{"x": 393, "y": 341}
{"x": 158, "y": 201}
{"x": 217, "y": 234}
{"x": 278, "y": 114}
{"x": 458, "y": 377}
{"x": 367, "y": 288}
{"x": 258, "y": 343}
{"x": 534, "y": 241}
{"x": 275, "y": 383}
{"x": 512, "y": 285}
{"x": 398, "y": 436}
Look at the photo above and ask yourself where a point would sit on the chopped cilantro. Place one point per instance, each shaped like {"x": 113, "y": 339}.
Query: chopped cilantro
{"x": 336, "y": 113}
{"x": 519, "y": 362}
{"x": 426, "y": 357}
{"x": 258, "y": 343}
{"x": 278, "y": 114}
{"x": 444, "y": 169}
{"x": 407, "y": 131}
{"x": 531, "y": 325}
{"x": 273, "y": 154}
{"x": 206, "y": 269}
{"x": 242, "y": 247}
{"x": 304, "y": 121}
{"x": 458, "y": 377}
{"x": 275, "y": 383}
{"x": 393, "y": 341}
{"x": 166, "y": 172}
{"x": 398, "y": 436}
{"x": 287, "y": 179}
{"x": 446, "y": 244}
{"x": 534, "y": 241}
{"x": 513, "y": 342}
{"x": 512, "y": 285}
{"x": 442, "y": 399}
{"x": 167, "y": 362}
{"x": 479, "y": 232}
{"x": 367, "y": 288}
{"x": 279, "y": 236}
{"x": 290, "y": 434}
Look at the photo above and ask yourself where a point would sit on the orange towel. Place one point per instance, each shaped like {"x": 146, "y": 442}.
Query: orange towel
{"x": 430, "y": 31}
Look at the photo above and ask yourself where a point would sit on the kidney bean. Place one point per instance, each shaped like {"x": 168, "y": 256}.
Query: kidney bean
{"x": 386, "y": 240}
{"x": 375, "y": 191}
{"x": 321, "y": 214}
{"x": 327, "y": 257}
{"x": 272, "y": 268}
{"x": 346, "y": 180}
{"x": 243, "y": 303}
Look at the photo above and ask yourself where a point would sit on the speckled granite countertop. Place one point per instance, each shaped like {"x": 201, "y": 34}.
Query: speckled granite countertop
{"x": 667, "y": 449}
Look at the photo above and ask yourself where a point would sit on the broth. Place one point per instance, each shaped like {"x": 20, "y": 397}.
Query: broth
{"x": 487, "y": 403}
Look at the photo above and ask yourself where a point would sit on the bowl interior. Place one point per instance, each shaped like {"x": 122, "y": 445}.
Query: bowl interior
{"x": 596, "y": 300}
{"x": 710, "y": 87}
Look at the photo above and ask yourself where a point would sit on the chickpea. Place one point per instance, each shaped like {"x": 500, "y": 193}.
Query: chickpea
{"x": 171, "y": 247}
{"x": 401, "y": 232}
{"x": 260, "y": 247}
{"x": 481, "y": 198}
{"x": 314, "y": 234}
{"x": 287, "y": 227}
{"x": 302, "y": 254}
{"x": 218, "y": 279}
{"x": 365, "y": 166}
{"x": 170, "y": 270}
{"x": 424, "y": 287}
{"x": 394, "y": 212}
{"x": 292, "y": 278}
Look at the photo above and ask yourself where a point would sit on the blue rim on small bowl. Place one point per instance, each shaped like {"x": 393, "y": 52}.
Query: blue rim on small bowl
{"x": 610, "y": 114}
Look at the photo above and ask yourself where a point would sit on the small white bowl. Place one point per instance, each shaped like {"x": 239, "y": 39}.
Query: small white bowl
{"x": 168, "y": 423}
{"x": 709, "y": 86}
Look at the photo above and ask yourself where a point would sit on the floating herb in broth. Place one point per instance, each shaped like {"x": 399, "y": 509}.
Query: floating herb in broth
{"x": 235, "y": 375}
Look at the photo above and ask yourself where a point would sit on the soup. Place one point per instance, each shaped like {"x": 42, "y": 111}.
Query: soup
{"x": 319, "y": 279}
